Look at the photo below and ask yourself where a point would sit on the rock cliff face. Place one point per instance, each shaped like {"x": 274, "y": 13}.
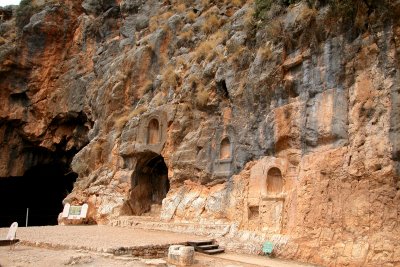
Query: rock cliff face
{"x": 288, "y": 130}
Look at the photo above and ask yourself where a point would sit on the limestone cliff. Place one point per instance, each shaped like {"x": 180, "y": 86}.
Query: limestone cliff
{"x": 282, "y": 120}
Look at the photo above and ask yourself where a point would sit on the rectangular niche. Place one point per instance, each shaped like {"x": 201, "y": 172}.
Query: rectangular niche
{"x": 254, "y": 213}
{"x": 223, "y": 163}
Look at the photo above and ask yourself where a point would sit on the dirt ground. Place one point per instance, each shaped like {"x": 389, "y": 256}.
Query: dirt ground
{"x": 93, "y": 246}
{"x": 26, "y": 256}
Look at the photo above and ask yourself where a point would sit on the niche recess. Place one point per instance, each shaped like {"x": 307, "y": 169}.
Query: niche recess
{"x": 225, "y": 149}
{"x": 150, "y": 184}
{"x": 274, "y": 182}
{"x": 224, "y": 157}
{"x": 153, "y": 132}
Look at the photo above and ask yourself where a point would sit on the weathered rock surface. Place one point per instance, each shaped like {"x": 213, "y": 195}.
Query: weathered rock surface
{"x": 300, "y": 143}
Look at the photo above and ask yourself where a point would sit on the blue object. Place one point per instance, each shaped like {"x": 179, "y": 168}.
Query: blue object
{"x": 267, "y": 248}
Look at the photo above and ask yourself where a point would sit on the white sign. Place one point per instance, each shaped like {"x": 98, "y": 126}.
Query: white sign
{"x": 75, "y": 212}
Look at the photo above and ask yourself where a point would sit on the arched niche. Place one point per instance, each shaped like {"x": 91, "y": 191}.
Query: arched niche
{"x": 153, "y": 132}
{"x": 150, "y": 184}
{"x": 225, "y": 149}
{"x": 274, "y": 181}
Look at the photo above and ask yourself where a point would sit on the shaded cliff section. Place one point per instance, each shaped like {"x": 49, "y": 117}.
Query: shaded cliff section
{"x": 39, "y": 123}
{"x": 42, "y": 124}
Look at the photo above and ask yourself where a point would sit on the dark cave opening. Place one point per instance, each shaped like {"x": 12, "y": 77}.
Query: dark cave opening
{"x": 222, "y": 89}
{"x": 150, "y": 185}
{"x": 41, "y": 189}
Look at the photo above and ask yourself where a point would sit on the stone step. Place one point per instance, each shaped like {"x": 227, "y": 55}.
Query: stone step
{"x": 214, "y": 251}
{"x": 200, "y": 243}
{"x": 207, "y": 247}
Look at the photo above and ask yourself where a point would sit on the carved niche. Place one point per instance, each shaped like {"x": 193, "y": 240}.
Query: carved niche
{"x": 224, "y": 156}
{"x": 266, "y": 195}
{"x": 153, "y": 132}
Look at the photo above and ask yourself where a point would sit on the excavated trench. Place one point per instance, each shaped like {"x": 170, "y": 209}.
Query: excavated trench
{"x": 41, "y": 189}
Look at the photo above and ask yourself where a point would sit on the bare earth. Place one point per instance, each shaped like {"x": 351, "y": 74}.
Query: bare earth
{"x": 91, "y": 246}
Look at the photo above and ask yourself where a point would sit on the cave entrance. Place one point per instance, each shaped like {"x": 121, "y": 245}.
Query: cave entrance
{"x": 41, "y": 189}
{"x": 150, "y": 185}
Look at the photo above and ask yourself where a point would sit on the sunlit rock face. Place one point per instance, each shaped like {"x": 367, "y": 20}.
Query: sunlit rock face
{"x": 191, "y": 111}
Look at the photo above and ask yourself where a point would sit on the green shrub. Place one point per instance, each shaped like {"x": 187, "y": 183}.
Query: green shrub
{"x": 263, "y": 6}
{"x": 24, "y": 13}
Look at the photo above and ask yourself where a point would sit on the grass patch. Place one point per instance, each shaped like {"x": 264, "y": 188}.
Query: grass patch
{"x": 170, "y": 78}
{"x": 187, "y": 35}
{"x": 265, "y": 52}
{"x": 236, "y": 3}
{"x": 121, "y": 121}
{"x": 201, "y": 96}
{"x": 211, "y": 24}
{"x": 180, "y": 8}
{"x": 191, "y": 16}
{"x": 206, "y": 49}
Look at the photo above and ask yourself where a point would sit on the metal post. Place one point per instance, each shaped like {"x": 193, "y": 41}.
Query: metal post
{"x": 27, "y": 215}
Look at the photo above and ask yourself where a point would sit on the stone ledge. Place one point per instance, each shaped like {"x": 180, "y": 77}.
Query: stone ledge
{"x": 214, "y": 230}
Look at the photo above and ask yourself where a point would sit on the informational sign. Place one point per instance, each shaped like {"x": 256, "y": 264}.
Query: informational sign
{"x": 75, "y": 212}
{"x": 268, "y": 247}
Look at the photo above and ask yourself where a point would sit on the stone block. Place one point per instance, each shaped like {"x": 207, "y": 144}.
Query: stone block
{"x": 181, "y": 255}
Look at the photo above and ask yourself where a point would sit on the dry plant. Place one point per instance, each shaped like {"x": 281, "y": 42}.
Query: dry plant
{"x": 165, "y": 16}
{"x": 157, "y": 20}
{"x": 236, "y": 3}
{"x": 241, "y": 57}
{"x": 275, "y": 30}
{"x": 97, "y": 150}
{"x": 219, "y": 36}
{"x": 361, "y": 16}
{"x": 180, "y": 8}
{"x": 307, "y": 16}
{"x": 205, "y": 3}
{"x": 206, "y": 49}
{"x": 211, "y": 24}
{"x": 146, "y": 87}
{"x": 170, "y": 78}
{"x": 153, "y": 23}
{"x": 186, "y": 35}
{"x": 193, "y": 80}
{"x": 240, "y": 89}
{"x": 181, "y": 62}
{"x": 191, "y": 16}
{"x": 138, "y": 111}
{"x": 249, "y": 18}
{"x": 201, "y": 96}
{"x": 265, "y": 52}
{"x": 121, "y": 121}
